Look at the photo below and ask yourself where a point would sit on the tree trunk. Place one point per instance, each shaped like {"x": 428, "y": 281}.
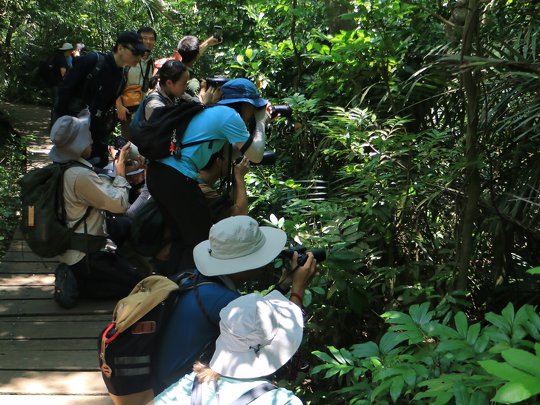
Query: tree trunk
{"x": 472, "y": 187}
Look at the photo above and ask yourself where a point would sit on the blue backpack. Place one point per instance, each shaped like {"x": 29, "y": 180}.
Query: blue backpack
{"x": 138, "y": 116}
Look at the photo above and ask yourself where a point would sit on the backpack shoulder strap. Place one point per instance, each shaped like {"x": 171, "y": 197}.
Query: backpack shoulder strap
{"x": 254, "y": 393}
{"x": 82, "y": 242}
{"x": 244, "y": 399}
{"x": 100, "y": 61}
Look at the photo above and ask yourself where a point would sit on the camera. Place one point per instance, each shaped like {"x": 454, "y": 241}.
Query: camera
{"x": 269, "y": 158}
{"x": 218, "y": 32}
{"x": 284, "y": 110}
{"x": 318, "y": 254}
{"x": 118, "y": 143}
{"x": 216, "y": 81}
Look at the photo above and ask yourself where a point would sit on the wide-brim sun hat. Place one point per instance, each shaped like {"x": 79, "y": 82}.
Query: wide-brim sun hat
{"x": 237, "y": 244}
{"x": 241, "y": 91}
{"x": 258, "y": 335}
{"x": 70, "y": 137}
{"x": 66, "y": 47}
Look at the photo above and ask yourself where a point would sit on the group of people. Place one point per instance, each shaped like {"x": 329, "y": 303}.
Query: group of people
{"x": 235, "y": 340}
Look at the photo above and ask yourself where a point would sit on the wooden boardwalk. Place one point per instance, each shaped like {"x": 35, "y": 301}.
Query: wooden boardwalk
{"x": 47, "y": 353}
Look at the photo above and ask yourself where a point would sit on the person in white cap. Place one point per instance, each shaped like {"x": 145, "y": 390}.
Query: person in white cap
{"x": 65, "y": 63}
{"x": 237, "y": 250}
{"x": 89, "y": 271}
{"x": 258, "y": 335}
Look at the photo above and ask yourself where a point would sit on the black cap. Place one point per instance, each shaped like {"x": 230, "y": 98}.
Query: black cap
{"x": 132, "y": 38}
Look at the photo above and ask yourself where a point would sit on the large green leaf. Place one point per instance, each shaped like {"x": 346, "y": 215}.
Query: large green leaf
{"x": 513, "y": 392}
{"x": 523, "y": 360}
{"x": 390, "y": 340}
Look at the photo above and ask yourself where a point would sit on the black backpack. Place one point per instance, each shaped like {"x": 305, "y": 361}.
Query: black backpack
{"x": 46, "y": 71}
{"x": 81, "y": 99}
{"x": 127, "y": 345}
{"x": 160, "y": 136}
{"x": 44, "y": 218}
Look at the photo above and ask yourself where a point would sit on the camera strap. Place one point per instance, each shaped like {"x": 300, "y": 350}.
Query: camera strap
{"x": 247, "y": 144}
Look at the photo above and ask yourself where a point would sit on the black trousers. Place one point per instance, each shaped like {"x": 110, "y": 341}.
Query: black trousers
{"x": 184, "y": 209}
{"x": 105, "y": 275}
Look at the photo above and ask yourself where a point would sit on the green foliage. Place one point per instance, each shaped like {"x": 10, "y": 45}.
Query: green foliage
{"x": 12, "y": 166}
{"x": 450, "y": 360}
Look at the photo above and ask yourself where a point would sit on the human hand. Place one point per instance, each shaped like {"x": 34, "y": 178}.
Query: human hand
{"x": 121, "y": 113}
{"x": 209, "y": 96}
{"x": 120, "y": 162}
{"x": 302, "y": 275}
{"x": 212, "y": 41}
{"x": 135, "y": 164}
{"x": 241, "y": 169}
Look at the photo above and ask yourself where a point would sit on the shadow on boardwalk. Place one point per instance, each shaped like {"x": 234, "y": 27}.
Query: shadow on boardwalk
{"x": 47, "y": 354}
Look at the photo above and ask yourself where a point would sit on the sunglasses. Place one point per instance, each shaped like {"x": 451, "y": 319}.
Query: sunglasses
{"x": 134, "y": 51}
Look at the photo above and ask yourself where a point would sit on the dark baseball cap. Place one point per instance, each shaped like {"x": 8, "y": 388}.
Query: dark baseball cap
{"x": 133, "y": 39}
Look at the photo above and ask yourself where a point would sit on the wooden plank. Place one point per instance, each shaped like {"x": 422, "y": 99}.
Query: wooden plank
{"x": 65, "y": 360}
{"x": 49, "y": 330}
{"x": 49, "y": 344}
{"x": 63, "y": 317}
{"x": 25, "y": 292}
{"x": 18, "y": 235}
{"x": 19, "y": 246}
{"x": 51, "y": 382}
{"x": 28, "y": 267}
{"x": 41, "y": 307}
{"x": 55, "y": 400}
{"x": 26, "y": 279}
{"x": 25, "y": 257}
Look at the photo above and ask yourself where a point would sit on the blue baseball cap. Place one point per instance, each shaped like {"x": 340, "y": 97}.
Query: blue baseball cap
{"x": 241, "y": 91}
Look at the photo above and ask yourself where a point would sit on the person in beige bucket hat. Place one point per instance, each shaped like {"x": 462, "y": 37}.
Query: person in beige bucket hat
{"x": 90, "y": 270}
{"x": 237, "y": 250}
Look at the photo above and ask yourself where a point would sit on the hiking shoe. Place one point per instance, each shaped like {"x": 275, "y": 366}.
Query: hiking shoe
{"x": 66, "y": 290}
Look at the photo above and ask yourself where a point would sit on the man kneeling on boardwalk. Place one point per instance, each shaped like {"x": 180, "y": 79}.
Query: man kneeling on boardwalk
{"x": 95, "y": 270}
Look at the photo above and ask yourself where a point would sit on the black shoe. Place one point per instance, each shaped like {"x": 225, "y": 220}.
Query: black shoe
{"x": 66, "y": 290}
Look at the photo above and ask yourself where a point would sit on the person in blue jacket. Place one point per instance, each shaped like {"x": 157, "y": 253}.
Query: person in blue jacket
{"x": 258, "y": 335}
{"x": 237, "y": 250}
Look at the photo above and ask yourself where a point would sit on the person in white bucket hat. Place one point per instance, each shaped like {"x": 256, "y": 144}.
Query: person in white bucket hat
{"x": 237, "y": 250}
{"x": 258, "y": 335}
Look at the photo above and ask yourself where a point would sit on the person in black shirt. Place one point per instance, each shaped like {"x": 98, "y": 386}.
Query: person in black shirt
{"x": 100, "y": 91}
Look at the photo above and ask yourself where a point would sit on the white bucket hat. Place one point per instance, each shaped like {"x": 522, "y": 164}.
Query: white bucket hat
{"x": 237, "y": 244}
{"x": 70, "y": 136}
{"x": 66, "y": 47}
{"x": 258, "y": 335}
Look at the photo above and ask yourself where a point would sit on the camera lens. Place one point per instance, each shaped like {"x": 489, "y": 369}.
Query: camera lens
{"x": 284, "y": 110}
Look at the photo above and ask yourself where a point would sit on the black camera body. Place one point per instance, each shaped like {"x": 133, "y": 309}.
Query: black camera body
{"x": 318, "y": 254}
{"x": 284, "y": 110}
{"x": 118, "y": 143}
{"x": 216, "y": 81}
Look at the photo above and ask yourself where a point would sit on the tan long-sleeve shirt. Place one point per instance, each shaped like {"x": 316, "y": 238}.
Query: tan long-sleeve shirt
{"x": 83, "y": 188}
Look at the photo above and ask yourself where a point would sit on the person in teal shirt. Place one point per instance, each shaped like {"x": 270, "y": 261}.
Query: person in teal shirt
{"x": 239, "y": 119}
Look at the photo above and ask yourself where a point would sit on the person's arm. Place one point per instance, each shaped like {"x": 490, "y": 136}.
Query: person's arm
{"x": 240, "y": 206}
{"x": 255, "y": 152}
{"x": 205, "y": 45}
{"x": 142, "y": 199}
{"x": 301, "y": 277}
{"x": 121, "y": 111}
